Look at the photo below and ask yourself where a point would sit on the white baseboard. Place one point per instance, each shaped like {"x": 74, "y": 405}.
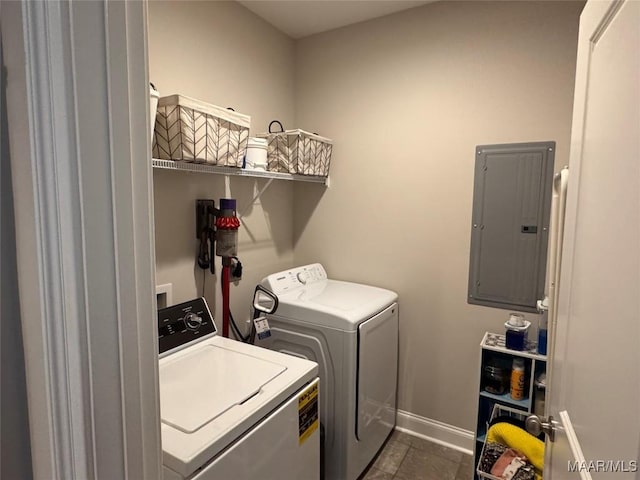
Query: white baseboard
{"x": 435, "y": 431}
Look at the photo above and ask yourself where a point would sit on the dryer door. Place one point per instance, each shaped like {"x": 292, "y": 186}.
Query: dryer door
{"x": 377, "y": 377}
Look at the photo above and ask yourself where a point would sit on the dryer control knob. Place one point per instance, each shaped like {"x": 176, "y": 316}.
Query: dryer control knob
{"x": 192, "y": 321}
{"x": 302, "y": 277}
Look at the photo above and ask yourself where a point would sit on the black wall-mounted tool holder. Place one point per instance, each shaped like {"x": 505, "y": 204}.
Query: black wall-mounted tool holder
{"x": 206, "y": 233}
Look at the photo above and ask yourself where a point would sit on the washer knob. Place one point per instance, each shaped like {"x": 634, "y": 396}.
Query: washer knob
{"x": 192, "y": 321}
{"x": 302, "y": 277}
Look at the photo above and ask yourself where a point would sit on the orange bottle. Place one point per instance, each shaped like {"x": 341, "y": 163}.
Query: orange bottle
{"x": 517, "y": 379}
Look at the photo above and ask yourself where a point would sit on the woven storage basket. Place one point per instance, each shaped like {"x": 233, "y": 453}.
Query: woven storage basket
{"x": 153, "y": 107}
{"x": 193, "y": 131}
{"x": 297, "y": 151}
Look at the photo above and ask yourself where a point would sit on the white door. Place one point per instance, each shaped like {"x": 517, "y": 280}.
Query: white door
{"x": 595, "y": 380}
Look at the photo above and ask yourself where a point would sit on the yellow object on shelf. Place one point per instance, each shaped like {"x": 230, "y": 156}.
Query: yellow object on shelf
{"x": 518, "y": 439}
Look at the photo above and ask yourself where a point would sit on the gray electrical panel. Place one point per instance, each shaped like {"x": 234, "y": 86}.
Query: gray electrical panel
{"x": 510, "y": 224}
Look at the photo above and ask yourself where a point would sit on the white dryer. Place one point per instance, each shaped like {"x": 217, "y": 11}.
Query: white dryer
{"x": 231, "y": 410}
{"x": 351, "y": 331}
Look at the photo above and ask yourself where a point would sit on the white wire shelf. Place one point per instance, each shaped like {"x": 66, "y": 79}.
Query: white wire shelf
{"x": 497, "y": 343}
{"x": 239, "y": 172}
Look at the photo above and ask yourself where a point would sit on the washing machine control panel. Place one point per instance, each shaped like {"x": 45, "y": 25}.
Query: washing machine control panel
{"x": 289, "y": 280}
{"x": 183, "y": 323}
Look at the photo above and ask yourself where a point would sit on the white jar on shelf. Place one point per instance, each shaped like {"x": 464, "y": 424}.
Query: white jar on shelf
{"x": 256, "y": 156}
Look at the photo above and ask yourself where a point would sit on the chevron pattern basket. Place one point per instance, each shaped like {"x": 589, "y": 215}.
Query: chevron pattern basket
{"x": 193, "y": 131}
{"x": 298, "y": 152}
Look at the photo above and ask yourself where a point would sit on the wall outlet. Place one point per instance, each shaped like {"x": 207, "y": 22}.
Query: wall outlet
{"x": 164, "y": 295}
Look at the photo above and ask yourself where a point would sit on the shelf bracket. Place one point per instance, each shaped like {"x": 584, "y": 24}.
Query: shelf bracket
{"x": 255, "y": 198}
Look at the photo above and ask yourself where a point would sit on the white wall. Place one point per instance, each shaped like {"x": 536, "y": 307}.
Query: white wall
{"x": 406, "y": 98}
{"x": 221, "y": 53}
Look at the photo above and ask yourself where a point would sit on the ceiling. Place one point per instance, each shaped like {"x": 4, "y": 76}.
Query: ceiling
{"x": 301, "y": 18}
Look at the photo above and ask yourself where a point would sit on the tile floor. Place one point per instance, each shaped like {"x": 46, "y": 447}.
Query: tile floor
{"x": 405, "y": 457}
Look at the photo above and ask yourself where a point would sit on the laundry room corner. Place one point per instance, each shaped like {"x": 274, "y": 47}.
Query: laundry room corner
{"x": 252, "y": 74}
{"x": 320, "y": 239}
{"x": 407, "y": 97}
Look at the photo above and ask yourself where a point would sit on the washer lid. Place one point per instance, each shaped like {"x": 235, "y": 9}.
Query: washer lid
{"x": 204, "y": 384}
{"x": 335, "y": 304}
{"x": 214, "y": 391}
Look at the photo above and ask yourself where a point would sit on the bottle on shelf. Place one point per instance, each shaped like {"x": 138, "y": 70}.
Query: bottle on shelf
{"x": 540, "y": 393}
{"x": 542, "y": 332}
{"x": 517, "y": 379}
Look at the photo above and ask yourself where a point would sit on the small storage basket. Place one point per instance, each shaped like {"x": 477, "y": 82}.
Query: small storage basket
{"x": 297, "y": 151}
{"x": 498, "y": 410}
{"x": 193, "y": 131}
{"x": 153, "y": 107}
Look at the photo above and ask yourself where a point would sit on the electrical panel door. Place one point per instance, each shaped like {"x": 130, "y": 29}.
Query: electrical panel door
{"x": 510, "y": 224}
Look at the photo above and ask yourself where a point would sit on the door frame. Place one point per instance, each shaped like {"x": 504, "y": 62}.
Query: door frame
{"x": 590, "y": 21}
{"x": 594, "y": 19}
{"x": 77, "y": 84}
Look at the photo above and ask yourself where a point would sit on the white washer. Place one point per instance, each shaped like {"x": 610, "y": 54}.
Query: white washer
{"x": 351, "y": 331}
{"x": 231, "y": 410}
